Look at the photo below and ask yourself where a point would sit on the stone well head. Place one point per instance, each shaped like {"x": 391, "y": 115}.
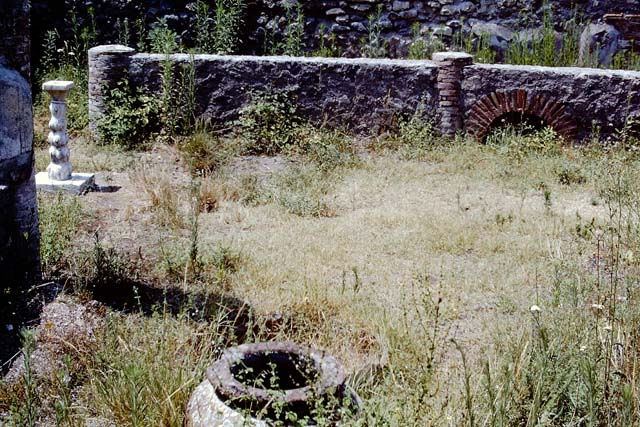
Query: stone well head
{"x": 266, "y": 382}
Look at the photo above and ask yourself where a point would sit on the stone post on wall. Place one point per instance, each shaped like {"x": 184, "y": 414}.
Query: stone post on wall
{"x": 109, "y": 63}
{"x": 450, "y": 103}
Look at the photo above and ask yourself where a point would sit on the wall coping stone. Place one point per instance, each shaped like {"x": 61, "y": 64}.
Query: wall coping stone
{"x": 461, "y": 58}
{"x": 180, "y": 57}
{"x": 111, "y": 48}
{"x": 566, "y": 71}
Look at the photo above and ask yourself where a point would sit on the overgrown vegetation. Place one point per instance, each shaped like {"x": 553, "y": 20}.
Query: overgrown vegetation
{"x": 397, "y": 257}
{"x": 132, "y": 116}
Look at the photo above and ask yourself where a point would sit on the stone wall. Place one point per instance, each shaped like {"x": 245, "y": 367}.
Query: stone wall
{"x": 591, "y": 97}
{"x": 368, "y": 95}
{"x": 362, "y": 94}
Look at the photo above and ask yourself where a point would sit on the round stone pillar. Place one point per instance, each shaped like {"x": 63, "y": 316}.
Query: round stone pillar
{"x": 107, "y": 65}
{"x": 450, "y": 76}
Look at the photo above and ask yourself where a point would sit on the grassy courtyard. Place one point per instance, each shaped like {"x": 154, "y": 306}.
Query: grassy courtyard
{"x": 458, "y": 283}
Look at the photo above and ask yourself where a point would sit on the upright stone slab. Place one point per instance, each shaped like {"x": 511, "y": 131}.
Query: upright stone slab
{"x": 450, "y": 77}
{"x": 108, "y": 63}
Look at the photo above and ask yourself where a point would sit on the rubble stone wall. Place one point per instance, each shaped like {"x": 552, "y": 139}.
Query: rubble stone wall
{"x": 348, "y": 20}
{"x": 593, "y": 98}
{"x": 369, "y": 95}
{"x": 361, "y": 94}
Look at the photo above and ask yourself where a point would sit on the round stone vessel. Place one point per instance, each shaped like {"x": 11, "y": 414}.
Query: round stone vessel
{"x": 252, "y": 385}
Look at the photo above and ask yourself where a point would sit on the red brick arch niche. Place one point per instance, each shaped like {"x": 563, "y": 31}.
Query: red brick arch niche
{"x": 488, "y": 112}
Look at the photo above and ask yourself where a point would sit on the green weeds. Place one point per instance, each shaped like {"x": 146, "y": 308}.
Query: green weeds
{"x": 131, "y": 116}
{"x": 60, "y": 218}
{"x": 374, "y": 45}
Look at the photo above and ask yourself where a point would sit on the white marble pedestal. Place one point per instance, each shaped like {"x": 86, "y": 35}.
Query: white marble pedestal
{"x": 59, "y": 175}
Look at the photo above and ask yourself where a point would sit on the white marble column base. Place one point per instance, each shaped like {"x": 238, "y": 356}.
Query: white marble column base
{"x": 78, "y": 184}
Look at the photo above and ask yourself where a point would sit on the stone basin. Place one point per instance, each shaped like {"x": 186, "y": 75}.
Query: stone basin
{"x": 258, "y": 384}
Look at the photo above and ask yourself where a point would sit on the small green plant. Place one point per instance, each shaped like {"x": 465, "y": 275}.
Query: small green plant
{"x": 291, "y": 43}
{"x": 423, "y": 47}
{"x": 545, "y": 46}
{"x": 269, "y": 123}
{"x": 294, "y": 32}
{"x": 161, "y": 38}
{"x": 374, "y": 45}
{"x": 524, "y": 139}
{"x": 63, "y": 385}
{"x": 204, "y": 28}
{"x": 143, "y": 35}
{"x": 205, "y": 152}
{"x": 228, "y": 23}
{"x": 59, "y": 221}
{"x": 124, "y": 34}
{"x": 326, "y": 148}
{"x": 416, "y": 136}
{"x": 327, "y": 50}
{"x": 26, "y": 412}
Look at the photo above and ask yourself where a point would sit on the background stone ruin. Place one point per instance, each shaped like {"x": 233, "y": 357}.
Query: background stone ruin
{"x": 349, "y": 19}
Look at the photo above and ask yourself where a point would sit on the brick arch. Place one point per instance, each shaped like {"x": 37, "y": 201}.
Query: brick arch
{"x": 490, "y": 107}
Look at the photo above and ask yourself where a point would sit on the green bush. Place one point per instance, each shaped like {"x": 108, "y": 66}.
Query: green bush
{"x": 327, "y": 148}
{"x": 161, "y": 38}
{"x": 131, "y": 116}
{"x": 269, "y": 124}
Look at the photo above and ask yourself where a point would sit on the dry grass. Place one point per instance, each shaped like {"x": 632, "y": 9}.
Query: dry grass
{"x": 458, "y": 243}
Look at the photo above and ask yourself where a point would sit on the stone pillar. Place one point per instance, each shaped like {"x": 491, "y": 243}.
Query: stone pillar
{"x": 107, "y": 65}
{"x": 450, "y": 75}
{"x": 60, "y": 167}
{"x": 19, "y": 233}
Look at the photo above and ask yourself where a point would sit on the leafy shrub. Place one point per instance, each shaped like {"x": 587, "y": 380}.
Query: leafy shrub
{"x": 415, "y": 136}
{"x": 519, "y": 141}
{"x": 218, "y": 34}
{"x": 131, "y": 116}
{"x": 423, "y": 47}
{"x": 269, "y": 123}
{"x": 330, "y": 50}
{"x": 161, "y": 38}
{"x": 374, "y": 45}
{"x": 228, "y": 22}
